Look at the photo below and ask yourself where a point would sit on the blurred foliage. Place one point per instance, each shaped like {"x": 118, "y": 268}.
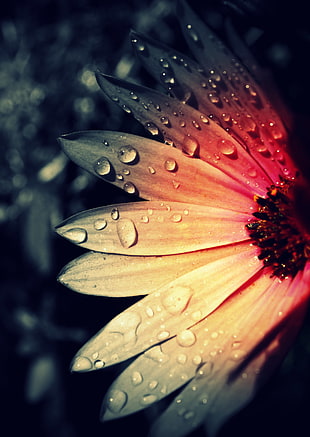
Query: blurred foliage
{"x": 48, "y": 53}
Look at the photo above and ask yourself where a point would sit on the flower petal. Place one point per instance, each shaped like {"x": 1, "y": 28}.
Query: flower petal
{"x": 153, "y": 170}
{"x": 266, "y": 134}
{"x": 154, "y": 228}
{"x": 189, "y": 129}
{"x": 110, "y": 275}
{"x": 174, "y": 308}
{"x": 259, "y": 324}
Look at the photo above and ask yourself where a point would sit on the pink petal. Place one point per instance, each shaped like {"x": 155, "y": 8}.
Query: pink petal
{"x": 111, "y": 275}
{"x": 155, "y": 171}
{"x": 245, "y": 339}
{"x": 154, "y": 228}
{"x": 175, "y": 307}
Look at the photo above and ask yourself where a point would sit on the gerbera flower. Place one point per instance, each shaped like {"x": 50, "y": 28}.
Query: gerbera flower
{"x": 215, "y": 245}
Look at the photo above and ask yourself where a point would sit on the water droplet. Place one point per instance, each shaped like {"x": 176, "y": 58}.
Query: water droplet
{"x": 99, "y": 364}
{"x": 126, "y": 232}
{"x": 197, "y": 360}
{"x": 148, "y": 399}
{"x": 186, "y": 338}
{"x": 189, "y": 415}
{"x": 144, "y": 219}
{"x": 203, "y": 400}
{"x": 81, "y": 364}
{"x": 102, "y": 166}
{"x": 228, "y": 149}
{"x": 167, "y": 77}
{"x": 151, "y": 170}
{"x": 76, "y": 235}
{"x": 138, "y": 45}
{"x": 115, "y": 99}
{"x": 170, "y": 165}
{"x": 176, "y": 218}
{"x": 237, "y": 355}
{"x": 105, "y": 143}
{"x": 100, "y": 224}
{"x": 181, "y": 358}
{"x": 130, "y": 188}
{"x": 193, "y": 34}
{"x": 152, "y": 128}
{"x": 149, "y": 312}
{"x": 252, "y": 172}
{"x": 190, "y": 145}
{"x": 126, "y": 109}
{"x": 163, "y": 335}
{"x": 127, "y": 155}
{"x": 164, "y": 63}
{"x": 126, "y": 171}
{"x": 196, "y": 125}
{"x": 115, "y": 214}
{"x": 263, "y": 149}
{"x": 133, "y": 96}
{"x": 153, "y": 384}
{"x": 214, "y": 98}
{"x": 136, "y": 378}
{"x": 204, "y": 119}
{"x": 165, "y": 121}
{"x": 116, "y": 401}
{"x": 182, "y": 123}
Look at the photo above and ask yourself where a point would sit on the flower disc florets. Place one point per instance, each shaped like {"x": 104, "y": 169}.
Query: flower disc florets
{"x": 284, "y": 246}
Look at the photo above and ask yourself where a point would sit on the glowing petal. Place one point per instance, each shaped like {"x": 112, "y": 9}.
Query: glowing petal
{"x": 245, "y": 339}
{"x": 154, "y": 228}
{"x": 154, "y": 171}
{"x": 172, "y": 309}
{"x": 266, "y": 131}
{"x": 111, "y": 275}
{"x": 190, "y": 130}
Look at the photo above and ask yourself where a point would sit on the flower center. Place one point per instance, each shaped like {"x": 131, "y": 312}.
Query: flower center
{"x": 285, "y": 247}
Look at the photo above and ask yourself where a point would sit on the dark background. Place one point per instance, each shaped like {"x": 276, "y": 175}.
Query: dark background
{"x": 48, "y": 52}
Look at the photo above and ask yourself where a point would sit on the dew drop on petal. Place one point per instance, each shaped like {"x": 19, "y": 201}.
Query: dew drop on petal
{"x": 81, "y": 364}
{"x": 176, "y": 218}
{"x": 151, "y": 170}
{"x": 136, "y": 378}
{"x": 130, "y": 188}
{"x": 102, "y": 166}
{"x": 153, "y": 384}
{"x": 99, "y": 364}
{"x": 126, "y": 232}
{"x": 186, "y": 338}
{"x": 127, "y": 154}
{"x": 148, "y": 399}
{"x": 115, "y": 214}
{"x": 196, "y": 124}
{"x": 228, "y": 149}
{"x": 100, "y": 224}
{"x": 190, "y": 145}
{"x": 116, "y": 401}
{"x": 170, "y": 165}
{"x": 163, "y": 335}
{"x": 126, "y": 109}
{"x": 152, "y": 128}
{"x": 165, "y": 120}
{"x": 193, "y": 34}
{"x": 204, "y": 119}
{"x": 181, "y": 358}
{"x": 76, "y": 235}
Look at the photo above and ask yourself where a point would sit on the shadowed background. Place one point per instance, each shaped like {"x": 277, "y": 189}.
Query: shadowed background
{"x": 48, "y": 53}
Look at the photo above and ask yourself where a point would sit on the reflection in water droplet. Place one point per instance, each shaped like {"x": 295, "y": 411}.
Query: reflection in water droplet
{"x": 136, "y": 378}
{"x": 186, "y": 338}
{"x": 100, "y": 224}
{"x": 130, "y": 188}
{"x": 116, "y": 401}
{"x": 76, "y": 235}
{"x": 127, "y": 154}
{"x": 115, "y": 214}
{"x": 126, "y": 232}
{"x": 170, "y": 165}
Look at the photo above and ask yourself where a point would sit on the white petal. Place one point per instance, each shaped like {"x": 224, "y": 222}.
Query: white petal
{"x": 172, "y": 309}
{"x": 154, "y": 228}
{"x": 112, "y": 275}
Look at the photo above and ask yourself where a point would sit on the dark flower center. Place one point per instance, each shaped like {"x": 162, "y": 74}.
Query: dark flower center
{"x": 284, "y": 246}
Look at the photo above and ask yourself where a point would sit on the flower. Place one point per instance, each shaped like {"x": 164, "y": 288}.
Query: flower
{"x": 216, "y": 245}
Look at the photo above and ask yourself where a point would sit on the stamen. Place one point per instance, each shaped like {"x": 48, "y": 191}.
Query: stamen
{"x": 284, "y": 246}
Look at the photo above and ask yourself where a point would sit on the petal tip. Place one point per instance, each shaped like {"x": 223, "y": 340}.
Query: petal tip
{"x": 81, "y": 364}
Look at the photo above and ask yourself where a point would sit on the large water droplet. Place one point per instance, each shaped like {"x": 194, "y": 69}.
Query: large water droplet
{"x": 127, "y": 155}
{"x": 81, "y": 364}
{"x": 190, "y": 145}
{"x": 176, "y": 300}
{"x": 76, "y": 235}
{"x": 228, "y": 149}
{"x": 152, "y": 128}
{"x": 130, "y": 188}
{"x": 170, "y": 165}
{"x": 116, "y": 401}
{"x": 136, "y": 378}
{"x": 186, "y": 338}
{"x": 100, "y": 224}
{"x": 126, "y": 232}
